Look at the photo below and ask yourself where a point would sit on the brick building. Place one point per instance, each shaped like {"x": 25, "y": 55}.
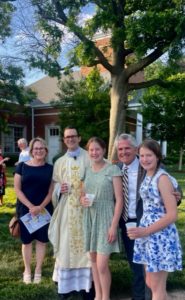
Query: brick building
{"x": 41, "y": 118}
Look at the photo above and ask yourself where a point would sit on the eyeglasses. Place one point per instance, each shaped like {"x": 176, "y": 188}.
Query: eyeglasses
{"x": 39, "y": 149}
{"x": 70, "y": 137}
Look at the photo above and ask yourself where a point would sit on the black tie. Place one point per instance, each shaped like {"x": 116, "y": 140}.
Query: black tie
{"x": 125, "y": 194}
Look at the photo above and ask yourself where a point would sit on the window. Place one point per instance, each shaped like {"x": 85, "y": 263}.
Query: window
{"x": 10, "y": 139}
{"x": 54, "y": 131}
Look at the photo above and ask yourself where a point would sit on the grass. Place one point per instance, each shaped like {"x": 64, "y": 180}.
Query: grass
{"x": 11, "y": 265}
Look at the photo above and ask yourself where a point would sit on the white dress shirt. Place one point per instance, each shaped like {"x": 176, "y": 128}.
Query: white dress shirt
{"x": 24, "y": 155}
{"x": 132, "y": 187}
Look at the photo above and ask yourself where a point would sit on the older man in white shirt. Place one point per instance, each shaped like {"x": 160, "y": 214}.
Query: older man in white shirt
{"x": 127, "y": 154}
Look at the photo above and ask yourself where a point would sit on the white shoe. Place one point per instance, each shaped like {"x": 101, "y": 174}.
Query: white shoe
{"x": 37, "y": 278}
{"x": 26, "y": 278}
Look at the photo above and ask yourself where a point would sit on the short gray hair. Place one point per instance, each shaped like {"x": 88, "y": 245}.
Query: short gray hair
{"x": 125, "y": 137}
{"x": 22, "y": 141}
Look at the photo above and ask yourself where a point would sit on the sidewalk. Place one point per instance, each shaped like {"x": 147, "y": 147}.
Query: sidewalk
{"x": 172, "y": 295}
{"x": 177, "y": 295}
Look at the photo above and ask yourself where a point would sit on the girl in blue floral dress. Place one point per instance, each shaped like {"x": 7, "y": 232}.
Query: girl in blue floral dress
{"x": 157, "y": 244}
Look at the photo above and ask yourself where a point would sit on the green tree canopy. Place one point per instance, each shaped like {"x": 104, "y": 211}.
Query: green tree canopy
{"x": 6, "y": 11}
{"x": 140, "y": 33}
{"x": 164, "y": 108}
{"x": 85, "y": 103}
{"x": 12, "y": 88}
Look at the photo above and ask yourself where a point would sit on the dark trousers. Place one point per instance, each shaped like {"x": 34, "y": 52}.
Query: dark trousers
{"x": 90, "y": 295}
{"x": 138, "y": 284}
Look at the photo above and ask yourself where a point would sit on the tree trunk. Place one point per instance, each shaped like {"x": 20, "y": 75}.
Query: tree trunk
{"x": 180, "y": 159}
{"x": 118, "y": 111}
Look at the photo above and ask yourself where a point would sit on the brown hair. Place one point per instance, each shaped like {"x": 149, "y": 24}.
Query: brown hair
{"x": 34, "y": 140}
{"x": 154, "y": 146}
{"x": 72, "y": 127}
{"x": 96, "y": 140}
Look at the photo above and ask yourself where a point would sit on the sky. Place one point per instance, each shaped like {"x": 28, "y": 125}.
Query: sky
{"x": 10, "y": 50}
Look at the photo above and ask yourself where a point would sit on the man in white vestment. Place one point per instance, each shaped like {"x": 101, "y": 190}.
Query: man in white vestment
{"x": 72, "y": 269}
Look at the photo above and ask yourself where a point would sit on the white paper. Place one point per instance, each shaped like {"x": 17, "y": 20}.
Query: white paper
{"x": 33, "y": 223}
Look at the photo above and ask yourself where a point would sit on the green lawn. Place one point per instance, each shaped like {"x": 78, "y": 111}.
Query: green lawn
{"x": 11, "y": 266}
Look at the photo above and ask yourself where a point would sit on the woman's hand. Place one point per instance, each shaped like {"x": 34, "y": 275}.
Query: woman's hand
{"x": 84, "y": 201}
{"x": 35, "y": 210}
{"x": 112, "y": 234}
{"x": 137, "y": 232}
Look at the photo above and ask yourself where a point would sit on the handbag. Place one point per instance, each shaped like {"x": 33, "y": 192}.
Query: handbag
{"x": 14, "y": 227}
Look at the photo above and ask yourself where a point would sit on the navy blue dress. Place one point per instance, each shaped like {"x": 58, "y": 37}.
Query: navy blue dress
{"x": 35, "y": 182}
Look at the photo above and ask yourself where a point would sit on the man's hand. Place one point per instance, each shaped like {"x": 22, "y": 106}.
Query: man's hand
{"x": 178, "y": 197}
{"x": 65, "y": 188}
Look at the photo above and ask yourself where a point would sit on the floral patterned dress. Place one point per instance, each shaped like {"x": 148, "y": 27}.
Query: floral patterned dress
{"x": 161, "y": 250}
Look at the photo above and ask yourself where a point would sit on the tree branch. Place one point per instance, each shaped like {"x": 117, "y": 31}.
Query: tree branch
{"x": 114, "y": 7}
{"x": 128, "y": 52}
{"x": 121, "y": 6}
{"x": 77, "y": 31}
{"x": 153, "y": 56}
{"x": 146, "y": 84}
{"x": 135, "y": 68}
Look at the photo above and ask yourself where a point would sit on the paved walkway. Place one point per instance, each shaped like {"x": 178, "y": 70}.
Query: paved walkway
{"x": 175, "y": 295}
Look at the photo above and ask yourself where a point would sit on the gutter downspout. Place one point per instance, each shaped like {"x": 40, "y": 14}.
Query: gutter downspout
{"x": 32, "y": 122}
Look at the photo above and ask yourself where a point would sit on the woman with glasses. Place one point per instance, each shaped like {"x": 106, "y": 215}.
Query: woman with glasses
{"x": 33, "y": 187}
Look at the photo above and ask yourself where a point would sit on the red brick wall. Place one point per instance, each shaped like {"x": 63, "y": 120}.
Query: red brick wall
{"x": 104, "y": 45}
{"x": 44, "y": 117}
{"x": 17, "y": 117}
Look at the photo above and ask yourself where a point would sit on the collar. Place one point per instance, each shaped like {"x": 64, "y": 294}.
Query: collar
{"x": 134, "y": 164}
{"x": 74, "y": 153}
